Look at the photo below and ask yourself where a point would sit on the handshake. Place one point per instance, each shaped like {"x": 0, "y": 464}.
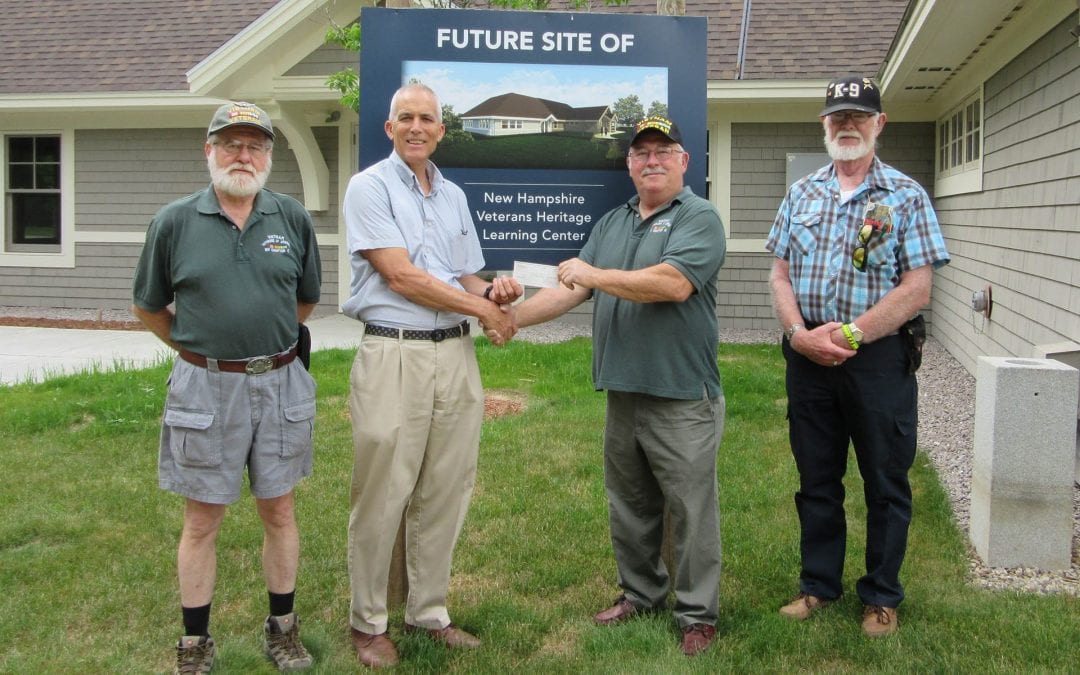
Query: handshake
{"x": 561, "y": 289}
{"x": 499, "y": 322}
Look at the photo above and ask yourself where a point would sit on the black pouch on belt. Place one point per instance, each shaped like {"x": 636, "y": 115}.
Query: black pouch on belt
{"x": 303, "y": 346}
{"x": 914, "y": 334}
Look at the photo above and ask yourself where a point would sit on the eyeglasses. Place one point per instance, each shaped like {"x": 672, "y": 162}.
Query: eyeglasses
{"x": 858, "y": 256}
{"x": 662, "y": 155}
{"x": 236, "y": 147}
{"x": 855, "y": 116}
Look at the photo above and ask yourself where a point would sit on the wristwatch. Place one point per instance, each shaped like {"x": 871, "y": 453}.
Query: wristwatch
{"x": 790, "y": 331}
{"x": 853, "y": 334}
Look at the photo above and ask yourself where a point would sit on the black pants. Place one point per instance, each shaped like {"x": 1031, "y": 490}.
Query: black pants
{"x": 872, "y": 401}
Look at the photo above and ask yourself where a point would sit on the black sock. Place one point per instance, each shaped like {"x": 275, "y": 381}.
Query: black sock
{"x": 281, "y": 603}
{"x": 196, "y": 620}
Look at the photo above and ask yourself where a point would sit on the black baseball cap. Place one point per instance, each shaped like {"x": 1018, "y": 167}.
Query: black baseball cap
{"x": 656, "y": 123}
{"x": 852, "y": 92}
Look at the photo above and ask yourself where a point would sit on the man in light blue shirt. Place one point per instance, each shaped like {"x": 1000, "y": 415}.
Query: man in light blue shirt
{"x": 416, "y": 399}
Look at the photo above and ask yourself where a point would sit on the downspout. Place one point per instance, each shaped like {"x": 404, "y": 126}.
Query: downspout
{"x": 743, "y": 30}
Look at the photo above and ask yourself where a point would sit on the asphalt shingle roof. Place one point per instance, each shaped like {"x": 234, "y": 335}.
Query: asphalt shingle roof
{"x": 56, "y": 46}
{"x": 88, "y": 46}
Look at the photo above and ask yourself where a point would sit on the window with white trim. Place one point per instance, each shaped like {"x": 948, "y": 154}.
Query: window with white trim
{"x": 32, "y": 205}
{"x": 959, "y": 146}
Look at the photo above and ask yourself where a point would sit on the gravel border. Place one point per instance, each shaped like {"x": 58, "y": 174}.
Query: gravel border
{"x": 946, "y": 435}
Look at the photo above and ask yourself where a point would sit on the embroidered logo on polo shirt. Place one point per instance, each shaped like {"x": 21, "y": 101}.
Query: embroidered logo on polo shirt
{"x": 276, "y": 243}
{"x": 662, "y": 225}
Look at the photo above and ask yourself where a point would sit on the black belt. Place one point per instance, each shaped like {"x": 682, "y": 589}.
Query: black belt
{"x": 254, "y": 366}
{"x": 437, "y": 335}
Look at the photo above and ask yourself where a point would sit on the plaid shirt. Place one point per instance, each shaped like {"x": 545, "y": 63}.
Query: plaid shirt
{"x": 818, "y": 235}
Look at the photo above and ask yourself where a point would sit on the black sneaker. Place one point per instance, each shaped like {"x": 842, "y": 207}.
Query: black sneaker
{"x": 283, "y": 644}
{"x": 194, "y": 654}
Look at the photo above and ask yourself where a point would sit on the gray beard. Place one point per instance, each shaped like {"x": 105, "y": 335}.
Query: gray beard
{"x": 238, "y": 185}
{"x": 851, "y": 153}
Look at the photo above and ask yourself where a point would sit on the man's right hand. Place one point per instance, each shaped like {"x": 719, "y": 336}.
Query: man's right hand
{"x": 499, "y": 324}
{"x": 818, "y": 346}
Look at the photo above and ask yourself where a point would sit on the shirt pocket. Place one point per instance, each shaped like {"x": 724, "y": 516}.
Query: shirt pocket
{"x": 804, "y": 232}
{"x": 194, "y": 440}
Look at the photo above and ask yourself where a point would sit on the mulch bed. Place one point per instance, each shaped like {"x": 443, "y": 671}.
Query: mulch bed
{"x": 88, "y": 324}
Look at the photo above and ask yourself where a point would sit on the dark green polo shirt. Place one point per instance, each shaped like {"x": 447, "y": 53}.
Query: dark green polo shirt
{"x": 660, "y": 348}
{"x": 235, "y": 290}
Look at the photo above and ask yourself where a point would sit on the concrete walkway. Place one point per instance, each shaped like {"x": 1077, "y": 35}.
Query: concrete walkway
{"x": 35, "y": 354}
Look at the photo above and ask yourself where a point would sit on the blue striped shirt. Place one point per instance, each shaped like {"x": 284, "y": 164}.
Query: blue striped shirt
{"x": 817, "y": 235}
{"x": 384, "y": 207}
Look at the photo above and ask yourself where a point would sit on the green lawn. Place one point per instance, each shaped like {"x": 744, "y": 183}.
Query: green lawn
{"x": 87, "y": 544}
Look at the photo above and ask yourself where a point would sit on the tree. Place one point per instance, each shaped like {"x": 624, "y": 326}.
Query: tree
{"x": 657, "y": 109}
{"x": 628, "y": 109}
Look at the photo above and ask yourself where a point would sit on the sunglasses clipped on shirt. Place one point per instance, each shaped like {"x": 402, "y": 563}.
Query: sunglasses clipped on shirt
{"x": 876, "y": 222}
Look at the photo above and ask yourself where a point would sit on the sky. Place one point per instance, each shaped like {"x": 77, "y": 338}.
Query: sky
{"x": 464, "y": 85}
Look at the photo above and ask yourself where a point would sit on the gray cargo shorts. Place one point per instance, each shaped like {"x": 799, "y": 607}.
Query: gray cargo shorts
{"x": 217, "y": 423}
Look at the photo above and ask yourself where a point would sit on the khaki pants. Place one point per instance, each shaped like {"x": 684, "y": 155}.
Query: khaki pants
{"x": 416, "y": 407}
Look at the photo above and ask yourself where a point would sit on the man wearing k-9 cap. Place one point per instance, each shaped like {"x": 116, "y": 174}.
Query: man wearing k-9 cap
{"x": 856, "y": 244}
{"x": 224, "y": 277}
{"x": 650, "y": 266}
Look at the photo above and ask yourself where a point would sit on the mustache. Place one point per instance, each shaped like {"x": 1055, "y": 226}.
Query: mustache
{"x": 657, "y": 171}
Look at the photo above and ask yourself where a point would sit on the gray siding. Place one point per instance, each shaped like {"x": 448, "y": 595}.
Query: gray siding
{"x": 742, "y": 292}
{"x": 325, "y": 60}
{"x": 122, "y": 178}
{"x": 758, "y": 183}
{"x": 1021, "y": 234}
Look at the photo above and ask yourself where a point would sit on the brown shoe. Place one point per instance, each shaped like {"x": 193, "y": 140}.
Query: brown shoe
{"x": 803, "y": 606}
{"x": 374, "y": 651}
{"x": 451, "y": 636}
{"x": 622, "y": 610}
{"x": 696, "y": 638}
{"x": 879, "y": 621}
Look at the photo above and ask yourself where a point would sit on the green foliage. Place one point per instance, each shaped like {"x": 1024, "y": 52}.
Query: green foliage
{"x": 628, "y": 109}
{"x": 88, "y": 543}
{"x": 456, "y": 137}
{"x": 657, "y": 109}
{"x": 525, "y": 151}
{"x": 450, "y": 119}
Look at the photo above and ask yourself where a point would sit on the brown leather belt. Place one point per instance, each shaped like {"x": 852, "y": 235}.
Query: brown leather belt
{"x": 437, "y": 335}
{"x": 255, "y": 366}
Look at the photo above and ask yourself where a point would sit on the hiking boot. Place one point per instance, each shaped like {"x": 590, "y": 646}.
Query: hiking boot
{"x": 283, "y": 644}
{"x": 194, "y": 654}
{"x": 803, "y": 606}
{"x": 879, "y": 621}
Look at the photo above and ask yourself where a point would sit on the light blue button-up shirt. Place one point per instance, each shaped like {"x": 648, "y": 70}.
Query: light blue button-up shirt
{"x": 384, "y": 207}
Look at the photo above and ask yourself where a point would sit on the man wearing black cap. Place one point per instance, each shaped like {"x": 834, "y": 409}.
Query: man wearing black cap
{"x": 240, "y": 266}
{"x": 856, "y": 244}
{"x": 650, "y": 266}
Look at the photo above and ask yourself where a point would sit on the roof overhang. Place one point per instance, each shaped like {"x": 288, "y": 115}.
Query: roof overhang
{"x": 946, "y": 49}
{"x": 248, "y": 64}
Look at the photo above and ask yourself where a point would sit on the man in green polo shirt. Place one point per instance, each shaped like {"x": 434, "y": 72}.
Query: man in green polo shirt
{"x": 225, "y": 276}
{"x": 650, "y": 266}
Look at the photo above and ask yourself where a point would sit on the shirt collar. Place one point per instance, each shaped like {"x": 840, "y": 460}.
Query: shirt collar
{"x": 405, "y": 173}
{"x": 208, "y": 202}
{"x": 635, "y": 202}
{"x": 876, "y": 176}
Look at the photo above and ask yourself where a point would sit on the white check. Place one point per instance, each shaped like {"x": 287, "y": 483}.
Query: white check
{"x": 535, "y": 274}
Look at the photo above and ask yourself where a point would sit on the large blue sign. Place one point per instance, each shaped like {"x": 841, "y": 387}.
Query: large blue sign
{"x": 541, "y": 108}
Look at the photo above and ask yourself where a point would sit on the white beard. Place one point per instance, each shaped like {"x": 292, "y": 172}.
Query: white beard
{"x": 848, "y": 153}
{"x": 237, "y": 184}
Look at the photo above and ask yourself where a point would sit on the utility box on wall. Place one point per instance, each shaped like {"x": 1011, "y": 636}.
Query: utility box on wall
{"x": 1022, "y": 475}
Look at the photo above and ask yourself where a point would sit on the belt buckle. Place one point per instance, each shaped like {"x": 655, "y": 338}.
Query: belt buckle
{"x": 259, "y": 365}
{"x": 439, "y": 334}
